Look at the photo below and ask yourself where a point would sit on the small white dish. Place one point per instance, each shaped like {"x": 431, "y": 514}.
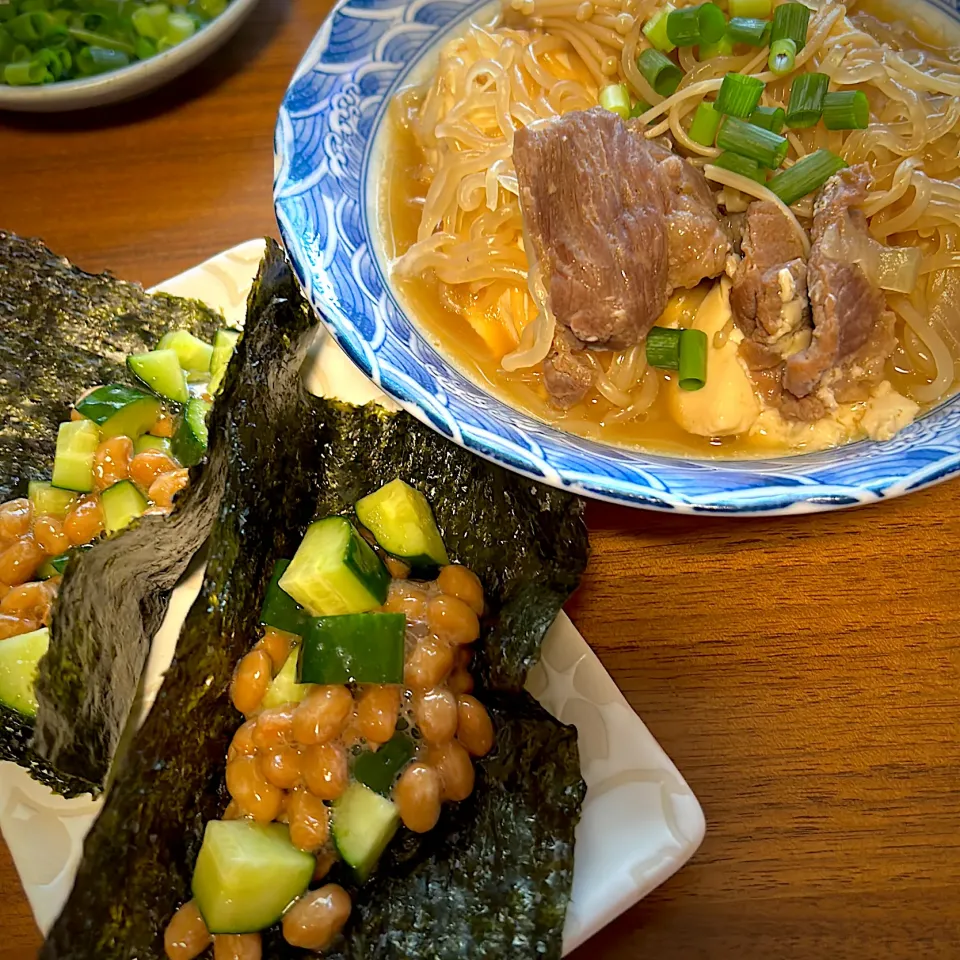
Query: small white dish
{"x": 640, "y": 823}
{"x": 129, "y": 82}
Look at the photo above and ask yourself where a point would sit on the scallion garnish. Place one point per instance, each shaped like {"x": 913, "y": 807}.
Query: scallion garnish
{"x": 655, "y": 29}
{"x": 806, "y": 99}
{"x": 615, "y": 97}
{"x": 706, "y": 123}
{"x": 692, "y": 25}
{"x": 24, "y": 73}
{"x": 790, "y": 22}
{"x": 94, "y": 60}
{"x": 742, "y": 165}
{"x": 809, "y": 173}
{"x": 770, "y": 118}
{"x": 722, "y": 48}
{"x": 739, "y": 95}
{"x": 639, "y": 109}
{"x": 659, "y": 71}
{"x": 758, "y": 9}
{"x": 693, "y": 360}
{"x": 783, "y": 56}
{"x": 663, "y": 348}
{"x": 846, "y": 110}
{"x": 769, "y": 149}
{"x": 749, "y": 30}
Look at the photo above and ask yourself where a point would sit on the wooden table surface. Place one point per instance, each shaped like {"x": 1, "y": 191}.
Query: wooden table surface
{"x": 803, "y": 672}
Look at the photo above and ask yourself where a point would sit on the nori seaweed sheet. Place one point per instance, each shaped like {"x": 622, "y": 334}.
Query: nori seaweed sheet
{"x": 63, "y": 331}
{"x": 493, "y": 879}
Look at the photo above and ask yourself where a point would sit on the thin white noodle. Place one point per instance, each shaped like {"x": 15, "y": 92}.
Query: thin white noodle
{"x": 939, "y": 351}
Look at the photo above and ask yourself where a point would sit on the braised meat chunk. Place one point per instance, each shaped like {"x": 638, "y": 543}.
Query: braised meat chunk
{"x": 595, "y": 212}
{"x": 852, "y": 328}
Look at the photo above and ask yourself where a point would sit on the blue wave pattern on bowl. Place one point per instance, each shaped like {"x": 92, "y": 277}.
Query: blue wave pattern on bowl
{"x": 325, "y": 133}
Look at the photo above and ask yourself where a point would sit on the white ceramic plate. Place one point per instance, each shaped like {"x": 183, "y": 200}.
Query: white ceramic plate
{"x": 640, "y": 824}
{"x": 129, "y": 82}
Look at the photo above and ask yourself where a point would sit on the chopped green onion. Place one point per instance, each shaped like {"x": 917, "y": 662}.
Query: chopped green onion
{"x": 615, "y": 97}
{"x": 639, "y": 109}
{"x": 749, "y": 30}
{"x": 722, "y": 48}
{"x": 27, "y": 6}
{"x": 809, "y": 173}
{"x": 749, "y": 8}
{"x": 213, "y": 8}
{"x": 846, "y": 110}
{"x": 790, "y": 22}
{"x": 30, "y": 27}
{"x": 660, "y": 72}
{"x": 101, "y": 41}
{"x": 26, "y": 73}
{"x": 180, "y": 27}
{"x": 655, "y": 29}
{"x": 692, "y": 25}
{"x": 783, "y": 56}
{"x": 693, "y": 360}
{"x": 144, "y": 49}
{"x": 150, "y": 21}
{"x": 742, "y": 165}
{"x": 706, "y": 123}
{"x": 663, "y": 348}
{"x": 94, "y": 60}
{"x": 769, "y": 149}
{"x": 7, "y": 43}
{"x": 806, "y": 99}
{"x": 7, "y": 12}
{"x": 51, "y": 61}
{"x": 770, "y": 118}
{"x": 739, "y": 95}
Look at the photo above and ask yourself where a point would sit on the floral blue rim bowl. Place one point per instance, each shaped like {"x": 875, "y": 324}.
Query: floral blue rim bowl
{"x": 325, "y": 145}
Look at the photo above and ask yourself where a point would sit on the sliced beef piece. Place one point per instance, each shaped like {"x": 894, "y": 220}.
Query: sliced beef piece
{"x": 566, "y": 375}
{"x": 852, "y": 335}
{"x": 769, "y": 293}
{"x": 697, "y": 243}
{"x": 594, "y": 208}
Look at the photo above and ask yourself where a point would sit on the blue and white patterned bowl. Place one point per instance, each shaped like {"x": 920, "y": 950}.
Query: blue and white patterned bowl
{"x": 326, "y": 137}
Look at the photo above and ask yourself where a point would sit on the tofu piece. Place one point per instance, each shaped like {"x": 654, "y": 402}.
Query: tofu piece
{"x": 727, "y": 404}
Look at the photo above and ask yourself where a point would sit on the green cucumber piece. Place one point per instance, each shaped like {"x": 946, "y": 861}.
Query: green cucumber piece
{"x": 160, "y": 371}
{"x": 363, "y": 824}
{"x": 353, "y": 648}
{"x": 19, "y": 657}
{"x": 400, "y": 518}
{"x": 284, "y": 687}
{"x": 379, "y": 769}
{"x": 224, "y": 343}
{"x": 120, "y": 411}
{"x": 190, "y": 441}
{"x": 247, "y": 874}
{"x": 147, "y": 442}
{"x": 48, "y": 500}
{"x": 335, "y": 571}
{"x": 194, "y": 354}
{"x": 121, "y": 503}
{"x": 54, "y": 566}
{"x": 279, "y": 609}
{"x": 77, "y": 441}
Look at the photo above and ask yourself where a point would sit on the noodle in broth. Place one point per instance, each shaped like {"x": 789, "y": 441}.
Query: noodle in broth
{"x": 453, "y": 215}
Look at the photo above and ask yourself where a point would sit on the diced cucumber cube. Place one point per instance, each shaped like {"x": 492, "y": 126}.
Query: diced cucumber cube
{"x": 190, "y": 441}
{"x": 121, "y": 503}
{"x": 335, "y": 571}
{"x": 160, "y": 370}
{"x": 400, "y": 518}
{"x": 120, "y": 411}
{"x": 363, "y": 824}
{"x": 224, "y": 343}
{"x": 247, "y": 874}
{"x": 48, "y": 500}
{"x": 77, "y": 442}
{"x": 194, "y": 354}
{"x": 19, "y": 657}
{"x": 353, "y": 648}
{"x": 284, "y": 687}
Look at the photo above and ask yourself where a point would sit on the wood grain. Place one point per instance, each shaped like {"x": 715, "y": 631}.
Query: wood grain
{"x": 803, "y": 672}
